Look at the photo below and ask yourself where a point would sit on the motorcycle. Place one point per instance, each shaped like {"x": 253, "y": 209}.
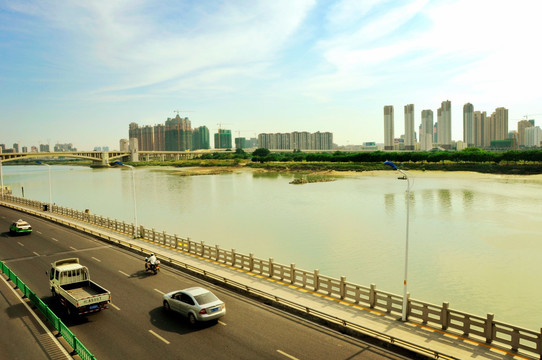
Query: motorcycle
{"x": 152, "y": 267}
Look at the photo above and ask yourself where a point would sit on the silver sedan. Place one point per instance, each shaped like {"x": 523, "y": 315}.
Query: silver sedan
{"x": 195, "y": 303}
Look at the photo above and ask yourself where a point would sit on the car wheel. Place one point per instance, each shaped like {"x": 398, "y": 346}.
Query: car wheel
{"x": 192, "y": 319}
{"x": 166, "y": 306}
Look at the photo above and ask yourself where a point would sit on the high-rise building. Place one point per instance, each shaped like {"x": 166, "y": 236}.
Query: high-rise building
{"x": 444, "y": 119}
{"x": 522, "y": 125}
{"x": 426, "y": 133}
{"x": 178, "y": 134}
{"x": 533, "y": 136}
{"x": 410, "y": 141}
{"x": 296, "y": 141}
{"x": 223, "y": 139}
{"x": 200, "y": 138}
{"x": 388, "y": 127}
{"x": 468, "y": 124}
{"x": 123, "y": 145}
{"x": 16, "y": 147}
{"x": 500, "y": 123}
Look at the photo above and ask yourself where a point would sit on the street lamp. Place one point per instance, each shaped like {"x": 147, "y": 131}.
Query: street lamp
{"x": 50, "y": 193}
{"x": 404, "y": 177}
{"x": 2, "y": 180}
{"x": 134, "y": 194}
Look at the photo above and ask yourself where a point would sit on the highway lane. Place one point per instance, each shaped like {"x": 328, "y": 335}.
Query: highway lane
{"x": 26, "y": 336}
{"x": 136, "y": 327}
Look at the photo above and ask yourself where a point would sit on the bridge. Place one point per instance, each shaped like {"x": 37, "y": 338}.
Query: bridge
{"x": 104, "y": 158}
{"x": 431, "y": 330}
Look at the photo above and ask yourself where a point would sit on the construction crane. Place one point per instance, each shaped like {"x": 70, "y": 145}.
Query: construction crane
{"x": 178, "y": 111}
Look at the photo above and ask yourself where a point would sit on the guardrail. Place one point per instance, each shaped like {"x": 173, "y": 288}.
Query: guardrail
{"x": 486, "y": 329}
{"x": 55, "y": 321}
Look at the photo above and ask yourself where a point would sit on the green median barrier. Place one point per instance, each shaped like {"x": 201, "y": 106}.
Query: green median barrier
{"x": 63, "y": 330}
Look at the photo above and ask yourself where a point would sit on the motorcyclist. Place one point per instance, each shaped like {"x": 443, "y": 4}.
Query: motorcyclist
{"x": 151, "y": 260}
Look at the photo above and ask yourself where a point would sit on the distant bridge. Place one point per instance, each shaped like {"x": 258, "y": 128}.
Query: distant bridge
{"x": 103, "y": 158}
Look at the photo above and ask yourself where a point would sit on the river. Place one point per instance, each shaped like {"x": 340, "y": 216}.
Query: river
{"x": 474, "y": 239}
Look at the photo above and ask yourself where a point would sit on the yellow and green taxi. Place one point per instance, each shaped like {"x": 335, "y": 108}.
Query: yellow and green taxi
{"x": 20, "y": 227}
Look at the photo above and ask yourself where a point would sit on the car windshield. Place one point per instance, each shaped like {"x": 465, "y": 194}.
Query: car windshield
{"x": 206, "y": 298}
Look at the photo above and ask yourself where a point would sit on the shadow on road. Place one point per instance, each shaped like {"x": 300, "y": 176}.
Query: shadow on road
{"x": 174, "y": 322}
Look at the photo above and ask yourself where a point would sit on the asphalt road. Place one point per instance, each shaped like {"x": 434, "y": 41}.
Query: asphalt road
{"x": 135, "y": 325}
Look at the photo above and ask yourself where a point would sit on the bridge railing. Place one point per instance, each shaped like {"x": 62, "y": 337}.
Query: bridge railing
{"x": 483, "y": 328}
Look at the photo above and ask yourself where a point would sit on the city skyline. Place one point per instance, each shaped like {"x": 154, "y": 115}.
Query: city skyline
{"x": 260, "y": 67}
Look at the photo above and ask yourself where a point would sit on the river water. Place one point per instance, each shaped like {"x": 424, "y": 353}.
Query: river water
{"x": 474, "y": 239}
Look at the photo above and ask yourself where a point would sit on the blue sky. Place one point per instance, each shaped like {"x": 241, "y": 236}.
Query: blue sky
{"x": 81, "y": 71}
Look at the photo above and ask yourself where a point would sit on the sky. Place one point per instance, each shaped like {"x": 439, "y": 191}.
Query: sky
{"x": 80, "y": 72}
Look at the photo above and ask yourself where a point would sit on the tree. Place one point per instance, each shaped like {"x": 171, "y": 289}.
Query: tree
{"x": 262, "y": 152}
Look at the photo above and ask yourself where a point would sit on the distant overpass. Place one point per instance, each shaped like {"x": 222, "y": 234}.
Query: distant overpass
{"x": 103, "y": 158}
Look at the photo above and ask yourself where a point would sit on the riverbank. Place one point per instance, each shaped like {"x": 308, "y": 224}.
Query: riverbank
{"x": 199, "y": 167}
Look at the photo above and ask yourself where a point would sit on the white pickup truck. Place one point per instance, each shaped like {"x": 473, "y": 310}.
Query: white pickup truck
{"x": 70, "y": 283}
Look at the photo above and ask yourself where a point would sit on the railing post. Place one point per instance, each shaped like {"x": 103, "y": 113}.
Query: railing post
{"x": 217, "y": 249}
{"x": 343, "y": 287}
{"x": 153, "y": 235}
{"x": 445, "y": 315}
{"x": 202, "y": 248}
{"x": 271, "y": 270}
{"x": 372, "y": 296}
{"x": 292, "y": 273}
{"x": 251, "y": 262}
{"x": 232, "y": 257}
{"x": 489, "y": 328}
{"x": 316, "y": 280}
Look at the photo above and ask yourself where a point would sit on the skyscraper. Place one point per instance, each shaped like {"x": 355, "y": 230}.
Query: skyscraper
{"x": 388, "y": 127}
{"x": 445, "y": 124}
{"x": 500, "y": 123}
{"x": 468, "y": 124}
{"x": 426, "y": 134}
{"x": 522, "y": 125}
{"x": 409, "y": 127}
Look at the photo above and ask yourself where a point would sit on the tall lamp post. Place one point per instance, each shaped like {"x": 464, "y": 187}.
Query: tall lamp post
{"x": 404, "y": 177}
{"x": 134, "y": 195}
{"x": 2, "y": 180}
{"x": 50, "y": 192}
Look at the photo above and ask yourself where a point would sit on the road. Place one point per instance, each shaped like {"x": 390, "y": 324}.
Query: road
{"x": 135, "y": 325}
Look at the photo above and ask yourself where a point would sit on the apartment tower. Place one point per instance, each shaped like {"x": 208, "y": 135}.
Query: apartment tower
{"x": 444, "y": 119}
{"x": 426, "y": 134}
{"x": 388, "y": 127}
{"x": 468, "y": 124}
{"x": 410, "y": 139}
{"x": 522, "y": 125}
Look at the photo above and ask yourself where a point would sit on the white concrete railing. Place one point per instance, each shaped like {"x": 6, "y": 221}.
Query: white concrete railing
{"x": 468, "y": 325}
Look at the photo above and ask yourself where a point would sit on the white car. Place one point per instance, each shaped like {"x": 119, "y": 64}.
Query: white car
{"x": 195, "y": 303}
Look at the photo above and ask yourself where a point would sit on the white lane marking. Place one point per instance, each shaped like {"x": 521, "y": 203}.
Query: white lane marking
{"x": 158, "y": 291}
{"x": 123, "y": 273}
{"x": 221, "y": 323}
{"x": 54, "y": 239}
{"x": 55, "y": 340}
{"x": 71, "y": 247}
{"x": 115, "y": 306}
{"x": 159, "y": 337}
{"x": 20, "y": 243}
{"x": 35, "y": 253}
{"x": 39, "y": 232}
{"x": 287, "y": 355}
{"x": 98, "y": 260}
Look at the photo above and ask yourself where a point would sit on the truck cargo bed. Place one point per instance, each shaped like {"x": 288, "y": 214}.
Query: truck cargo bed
{"x": 83, "y": 289}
